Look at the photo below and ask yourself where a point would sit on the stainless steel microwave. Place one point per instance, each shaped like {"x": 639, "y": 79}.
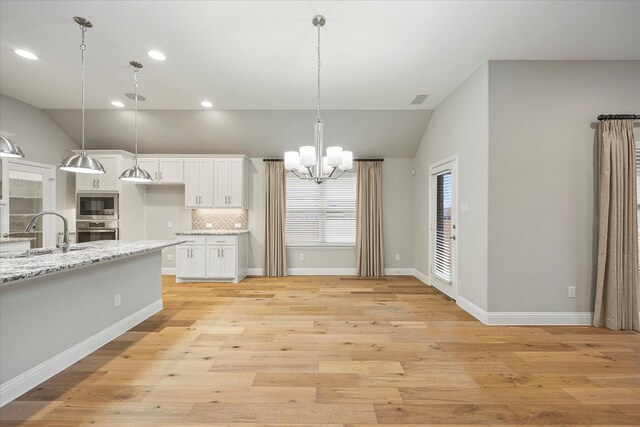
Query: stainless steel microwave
{"x": 97, "y": 206}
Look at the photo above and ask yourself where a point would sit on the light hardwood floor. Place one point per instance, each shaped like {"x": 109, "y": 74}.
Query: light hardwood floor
{"x": 338, "y": 351}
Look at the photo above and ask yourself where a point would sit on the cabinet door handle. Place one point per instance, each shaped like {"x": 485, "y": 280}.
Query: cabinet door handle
{"x": 94, "y": 183}
{"x": 160, "y": 175}
{"x": 156, "y": 175}
{"x": 98, "y": 180}
{"x": 222, "y": 250}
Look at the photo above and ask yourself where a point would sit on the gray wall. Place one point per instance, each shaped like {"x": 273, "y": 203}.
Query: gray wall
{"x": 42, "y": 141}
{"x": 459, "y": 125}
{"x": 541, "y": 177}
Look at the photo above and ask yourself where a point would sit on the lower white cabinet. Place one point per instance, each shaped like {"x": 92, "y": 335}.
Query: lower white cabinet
{"x": 191, "y": 261}
{"x": 212, "y": 258}
{"x": 221, "y": 261}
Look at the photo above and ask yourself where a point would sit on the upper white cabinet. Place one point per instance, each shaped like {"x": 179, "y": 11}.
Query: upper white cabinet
{"x": 164, "y": 170}
{"x": 229, "y": 183}
{"x": 198, "y": 183}
{"x": 108, "y": 181}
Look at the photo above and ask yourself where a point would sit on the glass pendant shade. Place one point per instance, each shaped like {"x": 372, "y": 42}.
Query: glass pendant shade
{"x": 325, "y": 166}
{"x": 136, "y": 174}
{"x": 347, "y": 161}
{"x": 291, "y": 160}
{"x": 9, "y": 148}
{"x": 81, "y": 163}
{"x": 308, "y": 155}
{"x": 334, "y": 156}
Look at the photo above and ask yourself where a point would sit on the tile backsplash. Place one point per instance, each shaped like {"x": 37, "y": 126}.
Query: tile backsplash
{"x": 220, "y": 219}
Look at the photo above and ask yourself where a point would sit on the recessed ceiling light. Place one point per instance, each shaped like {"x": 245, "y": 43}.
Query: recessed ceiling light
{"x": 206, "y": 104}
{"x": 26, "y": 54}
{"x": 157, "y": 55}
{"x": 117, "y": 104}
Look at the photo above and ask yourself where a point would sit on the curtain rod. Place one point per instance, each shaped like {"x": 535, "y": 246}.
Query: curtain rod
{"x": 355, "y": 160}
{"x": 602, "y": 117}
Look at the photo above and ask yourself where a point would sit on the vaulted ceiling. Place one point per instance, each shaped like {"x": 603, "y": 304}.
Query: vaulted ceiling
{"x": 261, "y": 55}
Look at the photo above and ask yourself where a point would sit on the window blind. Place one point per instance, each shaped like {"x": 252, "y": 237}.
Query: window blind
{"x": 441, "y": 226}
{"x": 321, "y": 214}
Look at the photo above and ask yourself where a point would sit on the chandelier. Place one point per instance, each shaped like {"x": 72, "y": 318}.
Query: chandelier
{"x": 309, "y": 163}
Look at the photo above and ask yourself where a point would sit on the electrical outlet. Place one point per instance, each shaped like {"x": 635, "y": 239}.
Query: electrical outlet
{"x": 301, "y": 257}
{"x": 397, "y": 257}
{"x": 237, "y": 225}
{"x": 209, "y": 225}
{"x": 572, "y": 291}
{"x": 117, "y": 300}
{"x": 169, "y": 224}
{"x": 169, "y": 257}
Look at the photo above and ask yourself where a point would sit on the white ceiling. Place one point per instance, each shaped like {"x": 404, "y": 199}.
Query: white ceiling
{"x": 257, "y": 133}
{"x": 261, "y": 55}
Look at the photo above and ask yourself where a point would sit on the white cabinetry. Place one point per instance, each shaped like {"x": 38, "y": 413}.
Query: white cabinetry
{"x": 229, "y": 183}
{"x": 191, "y": 261}
{"x": 108, "y": 181}
{"x": 223, "y": 259}
{"x": 164, "y": 170}
{"x": 198, "y": 183}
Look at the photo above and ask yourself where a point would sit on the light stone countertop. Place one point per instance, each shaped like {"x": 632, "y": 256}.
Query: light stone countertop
{"x": 15, "y": 239}
{"x": 13, "y": 267}
{"x": 211, "y": 232}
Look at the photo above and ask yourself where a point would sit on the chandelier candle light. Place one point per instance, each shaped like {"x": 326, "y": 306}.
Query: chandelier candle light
{"x": 309, "y": 163}
{"x": 135, "y": 173}
{"x": 82, "y": 163}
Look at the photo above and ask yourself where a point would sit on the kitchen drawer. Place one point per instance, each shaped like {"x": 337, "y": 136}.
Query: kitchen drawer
{"x": 221, "y": 240}
{"x": 193, "y": 240}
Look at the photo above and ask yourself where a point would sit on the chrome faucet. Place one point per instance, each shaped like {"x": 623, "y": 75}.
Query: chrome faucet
{"x": 65, "y": 243}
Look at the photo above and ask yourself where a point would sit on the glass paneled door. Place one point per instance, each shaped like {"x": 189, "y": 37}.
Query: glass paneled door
{"x": 31, "y": 190}
{"x": 443, "y": 233}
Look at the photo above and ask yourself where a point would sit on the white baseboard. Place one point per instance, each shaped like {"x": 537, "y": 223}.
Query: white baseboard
{"x": 424, "y": 278}
{"x": 473, "y": 309}
{"x": 322, "y": 271}
{"x": 24, "y": 382}
{"x": 537, "y": 318}
{"x": 169, "y": 271}
{"x": 399, "y": 271}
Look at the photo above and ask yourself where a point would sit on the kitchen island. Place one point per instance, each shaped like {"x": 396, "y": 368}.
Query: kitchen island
{"x": 56, "y": 308}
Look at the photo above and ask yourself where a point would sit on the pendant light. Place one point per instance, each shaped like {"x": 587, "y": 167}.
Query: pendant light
{"x": 8, "y": 148}
{"x": 308, "y": 163}
{"x": 82, "y": 163}
{"x": 135, "y": 173}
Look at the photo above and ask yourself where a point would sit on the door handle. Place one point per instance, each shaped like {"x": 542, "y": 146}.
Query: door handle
{"x": 452, "y": 237}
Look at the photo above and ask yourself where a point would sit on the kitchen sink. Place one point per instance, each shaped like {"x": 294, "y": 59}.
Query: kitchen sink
{"x": 37, "y": 252}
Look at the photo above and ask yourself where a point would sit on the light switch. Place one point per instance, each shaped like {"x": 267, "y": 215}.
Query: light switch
{"x": 169, "y": 224}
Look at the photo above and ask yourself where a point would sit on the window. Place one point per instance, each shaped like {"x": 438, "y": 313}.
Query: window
{"x": 321, "y": 214}
{"x": 441, "y": 263}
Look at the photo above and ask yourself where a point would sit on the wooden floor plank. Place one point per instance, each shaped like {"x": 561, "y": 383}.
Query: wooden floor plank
{"x": 337, "y": 351}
